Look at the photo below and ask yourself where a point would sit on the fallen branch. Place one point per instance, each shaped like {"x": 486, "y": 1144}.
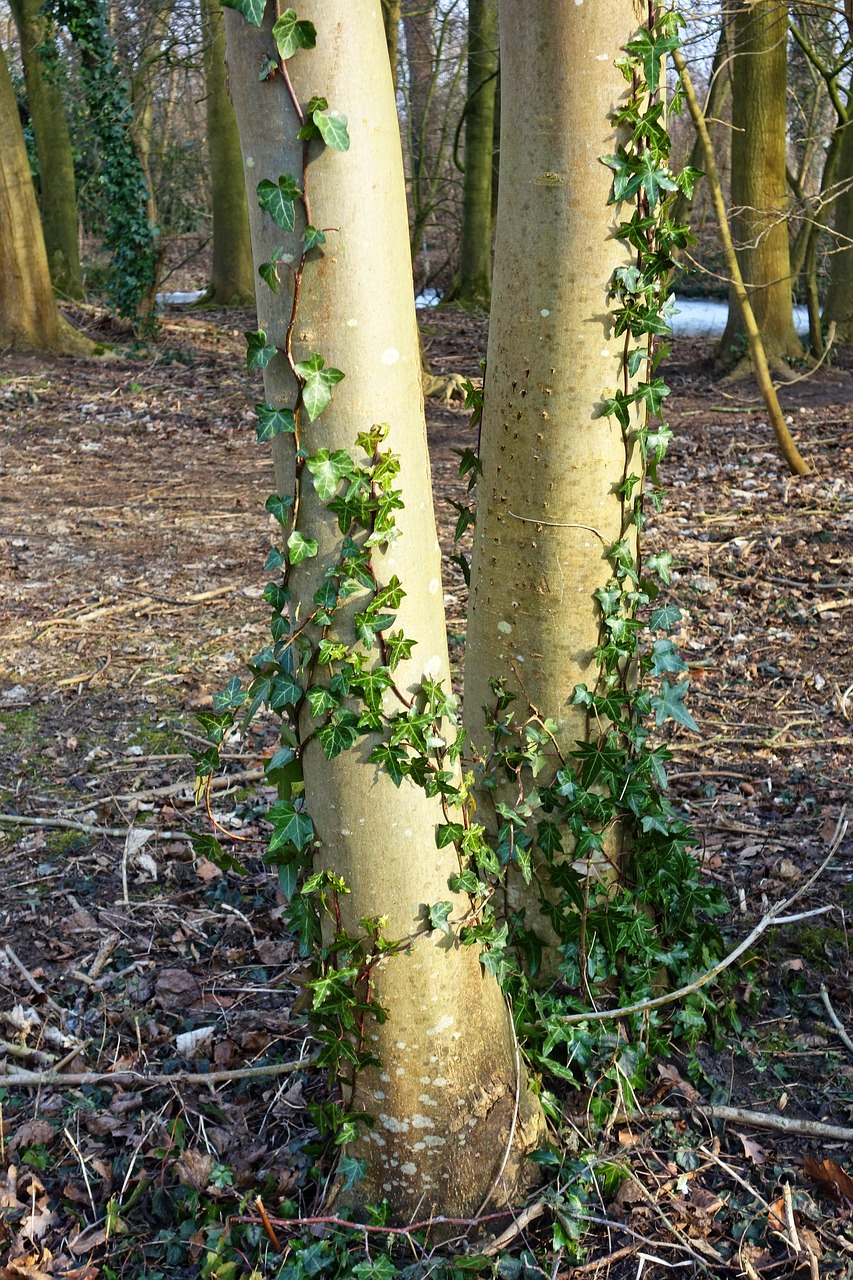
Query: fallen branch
{"x": 43, "y": 1079}
{"x": 835, "y": 1020}
{"x": 755, "y": 1119}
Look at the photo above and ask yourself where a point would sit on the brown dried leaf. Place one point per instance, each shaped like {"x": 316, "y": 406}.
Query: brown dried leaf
{"x": 32, "y": 1133}
{"x": 86, "y": 1241}
{"x": 752, "y": 1149}
{"x": 830, "y": 1177}
{"x": 177, "y": 989}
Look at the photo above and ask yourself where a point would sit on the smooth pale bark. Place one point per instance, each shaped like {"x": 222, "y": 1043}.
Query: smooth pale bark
{"x": 839, "y": 298}
{"x": 232, "y": 278}
{"x": 758, "y": 183}
{"x": 473, "y": 284}
{"x": 29, "y": 317}
{"x": 445, "y": 1097}
{"x": 56, "y": 161}
{"x": 547, "y": 509}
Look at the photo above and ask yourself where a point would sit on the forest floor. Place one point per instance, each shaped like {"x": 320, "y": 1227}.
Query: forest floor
{"x": 132, "y": 540}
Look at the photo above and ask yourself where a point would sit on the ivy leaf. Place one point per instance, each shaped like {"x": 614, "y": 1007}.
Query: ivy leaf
{"x": 233, "y": 695}
{"x": 277, "y": 199}
{"x": 268, "y": 271}
{"x": 669, "y": 705}
{"x": 209, "y": 847}
{"x": 317, "y": 384}
{"x": 252, "y": 10}
{"x": 398, "y": 648}
{"x": 333, "y": 129}
{"x": 279, "y": 507}
{"x": 665, "y": 657}
{"x": 258, "y": 351}
{"x": 300, "y": 548}
{"x": 290, "y": 33}
{"x": 351, "y": 1171}
{"x": 394, "y": 760}
{"x": 339, "y": 734}
{"x": 272, "y": 421}
{"x": 661, "y": 565}
{"x": 328, "y": 470}
{"x": 665, "y": 617}
{"x": 438, "y": 916}
{"x": 292, "y": 826}
{"x": 654, "y": 178}
{"x": 311, "y": 238}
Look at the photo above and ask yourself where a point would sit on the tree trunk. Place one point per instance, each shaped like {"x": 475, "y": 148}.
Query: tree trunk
{"x": 839, "y": 298}
{"x": 449, "y": 1099}
{"x": 547, "y": 504}
{"x": 419, "y": 28}
{"x": 473, "y": 283}
{"x": 759, "y": 191}
{"x": 29, "y": 316}
{"x": 142, "y": 88}
{"x": 391, "y": 22}
{"x": 233, "y": 278}
{"x": 56, "y": 162}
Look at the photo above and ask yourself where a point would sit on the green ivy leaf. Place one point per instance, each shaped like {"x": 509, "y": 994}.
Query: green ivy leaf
{"x": 209, "y": 847}
{"x": 352, "y": 1171}
{"x": 268, "y": 271}
{"x": 278, "y": 200}
{"x": 233, "y": 695}
{"x": 317, "y": 384}
{"x": 333, "y": 129}
{"x": 291, "y": 826}
{"x": 328, "y": 470}
{"x": 279, "y": 507}
{"x": 300, "y": 548}
{"x": 438, "y": 916}
{"x": 290, "y": 34}
{"x": 669, "y": 705}
{"x": 272, "y": 421}
{"x": 311, "y": 238}
{"x": 665, "y": 657}
{"x": 665, "y": 617}
{"x": 258, "y": 351}
{"x": 339, "y": 734}
{"x": 252, "y": 10}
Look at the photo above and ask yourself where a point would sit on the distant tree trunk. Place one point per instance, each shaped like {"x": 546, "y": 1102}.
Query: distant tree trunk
{"x": 142, "y": 95}
{"x": 718, "y": 93}
{"x": 759, "y": 191}
{"x": 56, "y": 161}
{"x": 233, "y": 277}
{"x": 839, "y": 299}
{"x": 419, "y": 27}
{"x": 474, "y": 278}
{"x": 29, "y": 317}
{"x": 391, "y": 21}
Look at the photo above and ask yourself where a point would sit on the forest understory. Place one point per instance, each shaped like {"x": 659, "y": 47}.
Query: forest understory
{"x": 132, "y": 540}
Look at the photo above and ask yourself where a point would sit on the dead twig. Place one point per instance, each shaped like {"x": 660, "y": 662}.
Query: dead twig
{"x": 835, "y": 1020}
{"x": 755, "y": 1119}
{"x": 49, "y": 1079}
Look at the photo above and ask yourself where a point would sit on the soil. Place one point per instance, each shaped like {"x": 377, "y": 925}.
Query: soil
{"x": 132, "y": 540}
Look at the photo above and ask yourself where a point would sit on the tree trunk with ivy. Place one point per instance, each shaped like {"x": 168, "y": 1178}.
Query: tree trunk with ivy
{"x": 548, "y": 500}
{"x": 232, "y": 278}
{"x": 56, "y": 162}
{"x": 29, "y": 317}
{"x": 758, "y": 182}
{"x": 452, "y": 1114}
{"x": 472, "y": 287}
{"x": 839, "y": 298}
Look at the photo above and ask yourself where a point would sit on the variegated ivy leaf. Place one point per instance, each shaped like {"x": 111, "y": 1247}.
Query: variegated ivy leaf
{"x": 259, "y": 352}
{"x": 333, "y": 129}
{"x": 327, "y": 470}
{"x": 252, "y": 10}
{"x": 291, "y": 33}
{"x": 272, "y": 421}
{"x": 278, "y": 198}
{"x": 317, "y": 384}
{"x": 300, "y": 548}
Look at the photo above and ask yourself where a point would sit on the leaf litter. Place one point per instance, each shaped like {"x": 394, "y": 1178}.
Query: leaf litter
{"x": 132, "y": 541}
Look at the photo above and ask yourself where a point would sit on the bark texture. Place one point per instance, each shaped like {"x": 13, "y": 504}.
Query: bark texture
{"x": 472, "y": 287}
{"x": 29, "y": 317}
{"x": 450, "y": 1100}
{"x": 56, "y": 161}
{"x": 232, "y": 278}
{"x": 547, "y": 509}
{"x": 839, "y": 298}
{"x": 758, "y": 186}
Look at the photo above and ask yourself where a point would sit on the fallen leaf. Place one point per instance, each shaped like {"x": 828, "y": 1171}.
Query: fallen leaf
{"x": 206, "y": 870}
{"x": 752, "y": 1149}
{"x": 830, "y": 1177}
{"x": 86, "y": 1241}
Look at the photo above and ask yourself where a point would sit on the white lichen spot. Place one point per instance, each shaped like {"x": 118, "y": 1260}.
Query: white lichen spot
{"x": 505, "y": 628}
{"x": 250, "y": 162}
{"x": 427, "y": 1100}
{"x": 425, "y": 1079}
{"x": 544, "y": 312}
{"x": 392, "y": 1124}
{"x": 519, "y": 657}
{"x": 605, "y": 352}
{"x": 432, "y": 666}
{"x": 440, "y": 1082}
{"x": 409, "y": 1169}
{"x": 352, "y": 323}
{"x": 602, "y": 57}
{"x": 422, "y": 1122}
{"x": 383, "y": 1075}
{"x": 344, "y": 832}
{"x": 447, "y": 1020}
{"x": 434, "y": 1140}
{"x": 401, "y": 1044}
{"x": 377, "y": 1138}
{"x": 408, "y": 833}
{"x": 390, "y": 355}
{"x": 378, "y": 1093}
{"x": 420, "y": 1146}
{"x": 434, "y": 584}
{"x": 401, "y": 1071}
